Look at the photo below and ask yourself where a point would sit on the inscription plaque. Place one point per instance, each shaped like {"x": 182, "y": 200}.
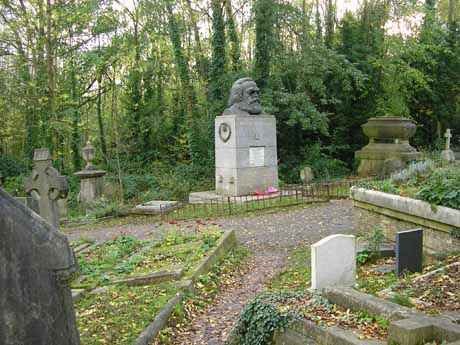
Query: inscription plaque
{"x": 257, "y": 156}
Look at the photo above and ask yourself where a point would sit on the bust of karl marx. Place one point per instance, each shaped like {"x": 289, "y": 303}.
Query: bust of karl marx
{"x": 244, "y": 98}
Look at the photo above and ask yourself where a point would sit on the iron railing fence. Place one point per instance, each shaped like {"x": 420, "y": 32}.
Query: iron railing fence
{"x": 288, "y": 196}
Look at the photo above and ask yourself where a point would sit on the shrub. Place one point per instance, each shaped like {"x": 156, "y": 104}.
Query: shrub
{"x": 15, "y": 185}
{"x": 10, "y": 166}
{"x": 413, "y": 171}
{"x": 442, "y": 188}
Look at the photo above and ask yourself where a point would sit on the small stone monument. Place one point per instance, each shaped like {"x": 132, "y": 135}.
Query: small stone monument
{"x": 46, "y": 186}
{"x": 409, "y": 251}
{"x": 245, "y": 142}
{"x": 36, "y": 264}
{"x": 306, "y": 175}
{"x": 447, "y": 154}
{"x": 91, "y": 179}
{"x": 333, "y": 262}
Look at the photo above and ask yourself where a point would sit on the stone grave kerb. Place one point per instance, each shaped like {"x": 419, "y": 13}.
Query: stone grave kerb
{"x": 46, "y": 186}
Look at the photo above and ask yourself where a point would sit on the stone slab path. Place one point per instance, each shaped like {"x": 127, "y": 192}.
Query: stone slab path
{"x": 270, "y": 236}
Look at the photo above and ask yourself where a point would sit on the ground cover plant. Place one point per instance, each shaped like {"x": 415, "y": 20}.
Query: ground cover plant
{"x": 127, "y": 256}
{"x": 434, "y": 293}
{"x": 431, "y": 294}
{"x": 117, "y": 316}
{"x": 371, "y": 280}
{"x": 296, "y": 274}
{"x": 423, "y": 181}
{"x": 273, "y": 311}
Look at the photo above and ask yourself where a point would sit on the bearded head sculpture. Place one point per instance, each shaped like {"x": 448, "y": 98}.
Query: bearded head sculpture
{"x": 244, "y": 98}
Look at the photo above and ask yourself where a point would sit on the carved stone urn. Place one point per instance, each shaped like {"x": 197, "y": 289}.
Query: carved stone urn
{"x": 388, "y": 149}
{"x": 91, "y": 179}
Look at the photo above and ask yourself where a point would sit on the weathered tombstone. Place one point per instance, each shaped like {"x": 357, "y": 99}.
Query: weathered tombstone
{"x": 409, "y": 251}
{"x": 306, "y": 175}
{"x": 447, "y": 154}
{"x": 333, "y": 261}
{"x": 36, "y": 263}
{"x": 245, "y": 140}
{"x": 91, "y": 179}
{"x": 46, "y": 186}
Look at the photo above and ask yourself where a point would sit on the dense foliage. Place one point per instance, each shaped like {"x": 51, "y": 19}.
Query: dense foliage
{"x": 144, "y": 80}
{"x": 422, "y": 181}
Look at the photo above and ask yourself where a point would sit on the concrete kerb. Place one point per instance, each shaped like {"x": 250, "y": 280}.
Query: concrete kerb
{"x": 358, "y": 301}
{"x": 224, "y": 244}
{"x": 416, "y": 211}
{"x": 307, "y": 332}
{"x": 161, "y": 320}
{"x": 150, "y": 278}
{"x": 407, "y": 327}
{"x": 227, "y": 242}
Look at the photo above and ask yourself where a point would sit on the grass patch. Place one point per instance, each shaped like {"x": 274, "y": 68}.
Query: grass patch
{"x": 96, "y": 265}
{"x": 371, "y": 281}
{"x": 297, "y": 273}
{"x": 126, "y": 256}
{"x": 119, "y": 315}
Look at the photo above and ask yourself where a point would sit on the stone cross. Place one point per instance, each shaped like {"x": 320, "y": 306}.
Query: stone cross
{"x": 46, "y": 185}
{"x": 448, "y": 136}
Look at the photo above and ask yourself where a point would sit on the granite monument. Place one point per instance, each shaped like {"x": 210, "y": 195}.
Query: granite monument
{"x": 245, "y": 142}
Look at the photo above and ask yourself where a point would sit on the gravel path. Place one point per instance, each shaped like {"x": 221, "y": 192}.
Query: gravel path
{"x": 270, "y": 236}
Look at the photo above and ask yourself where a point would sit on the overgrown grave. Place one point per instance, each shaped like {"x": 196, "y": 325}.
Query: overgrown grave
{"x": 132, "y": 285}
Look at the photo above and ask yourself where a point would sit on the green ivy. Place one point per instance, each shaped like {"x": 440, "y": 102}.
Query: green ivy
{"x": 260, "y": 319}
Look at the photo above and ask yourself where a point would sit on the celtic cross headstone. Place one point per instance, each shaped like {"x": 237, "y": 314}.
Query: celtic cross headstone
{"x": 46, "y": 186}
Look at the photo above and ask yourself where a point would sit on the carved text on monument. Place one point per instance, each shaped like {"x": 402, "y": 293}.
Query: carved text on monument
{"x": 257, "y": 156}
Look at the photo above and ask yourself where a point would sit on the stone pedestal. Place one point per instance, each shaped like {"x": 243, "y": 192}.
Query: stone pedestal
{"x": 388, "y": 149}
{"x": 91, "y": 185}
{"x": 246, "y": 155}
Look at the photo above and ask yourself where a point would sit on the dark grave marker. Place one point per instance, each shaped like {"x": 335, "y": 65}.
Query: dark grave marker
{"x": 36, "y": 265}
{"x": 409, "y": 251}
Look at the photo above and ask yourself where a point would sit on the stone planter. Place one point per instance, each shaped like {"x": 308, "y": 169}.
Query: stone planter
{"x": 388, "y": 149}
{"x": 389, "y": 128}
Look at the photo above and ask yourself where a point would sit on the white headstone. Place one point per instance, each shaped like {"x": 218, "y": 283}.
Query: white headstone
{"x": 333, "y": 262}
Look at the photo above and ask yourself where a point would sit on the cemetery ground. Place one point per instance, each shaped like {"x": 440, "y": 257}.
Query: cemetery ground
{"x": 271, "y": 238}
{"x": 276, "y": 268}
